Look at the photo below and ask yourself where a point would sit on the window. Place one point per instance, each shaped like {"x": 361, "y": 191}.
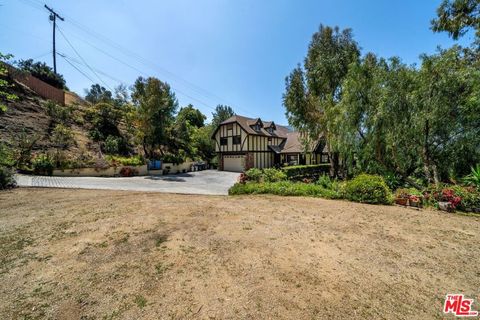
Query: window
{"x": 256, "y": 127}
{"x": 270, "y": 130}
{"x": 230, "y": 126}
{"x": 237, "y": 140}
{"x": 324, "y": 158}
{"x": 292, "y": 159}
{"x": 223, "y": 141}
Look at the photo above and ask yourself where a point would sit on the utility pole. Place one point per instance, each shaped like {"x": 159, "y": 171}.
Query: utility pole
{"x": 53, "y": 17}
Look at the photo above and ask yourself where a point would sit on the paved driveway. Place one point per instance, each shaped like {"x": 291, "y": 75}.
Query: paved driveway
{"x": 199, "y": 182}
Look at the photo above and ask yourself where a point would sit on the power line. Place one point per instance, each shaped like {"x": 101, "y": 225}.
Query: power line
{"x": 37, "y": 5}
{"x": 143, "y": 73}
{"x": 85, "y": 75}
{"x": 81, "y": 58}
{"x": 96, "y": 69}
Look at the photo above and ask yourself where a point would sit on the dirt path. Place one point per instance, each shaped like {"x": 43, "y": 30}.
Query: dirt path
{"x": 90, "y": 254}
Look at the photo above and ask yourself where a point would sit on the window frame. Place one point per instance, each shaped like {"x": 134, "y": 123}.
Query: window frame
{"x": 239, "y": 141}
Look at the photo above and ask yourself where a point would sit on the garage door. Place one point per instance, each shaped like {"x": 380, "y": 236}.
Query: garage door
{"x": 233, "y": 163}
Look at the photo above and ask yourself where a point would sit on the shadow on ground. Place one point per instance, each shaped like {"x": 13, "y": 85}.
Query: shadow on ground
{"x": 172, "y": 177}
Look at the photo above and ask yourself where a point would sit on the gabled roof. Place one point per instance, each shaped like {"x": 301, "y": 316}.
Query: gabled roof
{"x": 292, "y": 142}
{"x": 247, "y": 123}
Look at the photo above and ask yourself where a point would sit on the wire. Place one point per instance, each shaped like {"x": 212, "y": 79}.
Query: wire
{"x": 73, "y": 60}
{"x": 85, "y": 75}
{"x": 81, "y": 58}
{"x": 42, "y": 55}
{"x": 38, "y": 5}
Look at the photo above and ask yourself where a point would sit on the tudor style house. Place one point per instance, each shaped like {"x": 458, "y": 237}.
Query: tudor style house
{"x": 242, "y": 143}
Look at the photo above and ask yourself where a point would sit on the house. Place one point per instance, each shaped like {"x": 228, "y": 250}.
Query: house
{"x": 242, "y": 143}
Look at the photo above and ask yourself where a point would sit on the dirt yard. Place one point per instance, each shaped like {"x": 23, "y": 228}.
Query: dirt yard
{"x": 90, "y": 254}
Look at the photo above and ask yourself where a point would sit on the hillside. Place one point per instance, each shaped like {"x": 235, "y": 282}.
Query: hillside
{"x": 29, "y": 117}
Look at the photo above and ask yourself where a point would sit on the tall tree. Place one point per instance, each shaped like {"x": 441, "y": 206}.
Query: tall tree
{"x": 187, "y": 122}
{"x": 191, "y": 115}
{"x": 97, "y": 94}
{"x": 156, "y": 106}
{"x": 457, "y": 17}
{"x": 330, "y": 53}
{"x": 221, "y": 114}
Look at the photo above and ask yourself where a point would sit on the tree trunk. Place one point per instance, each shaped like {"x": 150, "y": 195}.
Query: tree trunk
{"x": 435, "y": 175}
{"x": 426, "y": 154}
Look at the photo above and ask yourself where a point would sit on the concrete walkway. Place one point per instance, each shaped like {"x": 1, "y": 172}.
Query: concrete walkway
{"x": 210, "y": 182}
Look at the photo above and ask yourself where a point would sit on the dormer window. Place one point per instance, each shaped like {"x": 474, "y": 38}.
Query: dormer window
{"x": 256, "y": 127}
{"x": 270, "y": 130}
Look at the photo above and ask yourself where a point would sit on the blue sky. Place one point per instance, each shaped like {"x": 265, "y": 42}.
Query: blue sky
{"x": 212, "y": 51}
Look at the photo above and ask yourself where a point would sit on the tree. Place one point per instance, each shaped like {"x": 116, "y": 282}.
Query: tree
{"x": 330, "y": 53}
{"x": 448, "y": 119}
{"x": 156, "y": 105}
{"x": 43, "y": 72}
{"x": 192, "y": 116}
{"x": 221, "y": 114}
{"x": 202, "y": 143}
{"x": 97, "y": 94}
{"x": 457, "y": 17}
{"x": 187, "y": 123}
{"x": 4, "y": 83}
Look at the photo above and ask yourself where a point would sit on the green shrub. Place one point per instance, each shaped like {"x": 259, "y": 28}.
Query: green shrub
{"x": 125, "y": 161}
{"x": 57, "y": 112}
{"x": 469, "y": 197}
{"x": 112, "y": 144}
{"x": 273, "y": 175}
{"x": 7, "y": 180}
{"x": 368, "y": 189}
{"x": 7, "y": 157}
{"x": 283, "y": 188}
{"x": 298, "y": 173}
{"x": 43, "y": 164}
{"x": 62, "y": 136}
{"x": 324, "y": 181}
{"x": 254, "y": 174}
{"x": 473, "y": 178}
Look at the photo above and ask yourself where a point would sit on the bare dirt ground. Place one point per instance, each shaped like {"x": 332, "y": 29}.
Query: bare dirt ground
{"x": 90, "y": 254}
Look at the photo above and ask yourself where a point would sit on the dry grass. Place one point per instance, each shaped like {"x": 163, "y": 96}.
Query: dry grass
{"x": 84, "y": 254}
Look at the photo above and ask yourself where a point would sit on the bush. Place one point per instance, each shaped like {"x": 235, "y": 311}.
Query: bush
{"x": 62, "y": 136}
{"x": 7, "y": 157}
{"x": 254, "y": 174}
{"x": 324, "y": 181}
{"x": 461, "y": 198}
{"x": 43, "y": 164}
{"x": 273, "y": 175}
{"x": 473, "y": 178}
{"x": 57, "y": 112}
{"x": 368, "y": 189}
{"x": 298, "y": 173}
{"x": 125, "y": 161}
{"x": 7, "y": 180}
{"x": 283, "y": 188}
{"x": 43, "y": 72}
{"x": 112, "y": 144}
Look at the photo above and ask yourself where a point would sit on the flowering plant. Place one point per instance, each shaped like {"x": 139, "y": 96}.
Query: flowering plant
{"x": 414, "y": 198}
{"x": 449, "y": 195}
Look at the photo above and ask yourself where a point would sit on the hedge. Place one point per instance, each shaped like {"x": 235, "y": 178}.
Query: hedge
{"x": 284, "y": 188}
{"x": 298, "y": 173}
